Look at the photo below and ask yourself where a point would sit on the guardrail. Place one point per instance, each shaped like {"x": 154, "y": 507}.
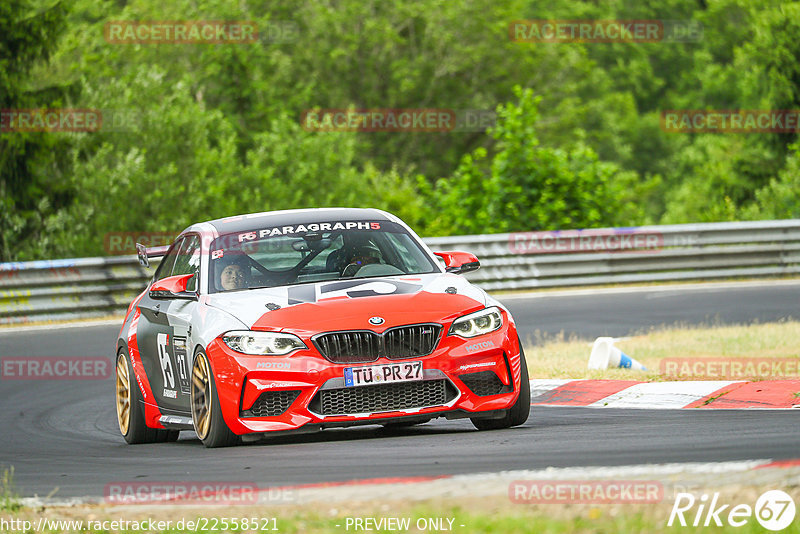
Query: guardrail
{"x": 94, "y": 287}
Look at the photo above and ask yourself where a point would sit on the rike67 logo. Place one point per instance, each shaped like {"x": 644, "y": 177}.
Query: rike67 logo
{"x": 774, "y": 510}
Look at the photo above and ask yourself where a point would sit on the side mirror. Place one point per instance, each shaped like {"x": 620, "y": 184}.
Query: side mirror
{"x": 144, "y": 254}
{"x": 141, "y": 253}
{"x": 459, "y": 262}
{"x": 173, "y": 287}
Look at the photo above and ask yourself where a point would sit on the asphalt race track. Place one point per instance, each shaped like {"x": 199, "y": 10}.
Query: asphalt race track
{"x": 623, "y": 312}
{"x": 63, "y": 434}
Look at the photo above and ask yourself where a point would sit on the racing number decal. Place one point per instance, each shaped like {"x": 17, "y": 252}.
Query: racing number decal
{"x": 166, "y": 363}
{"x": 181, "y": 362}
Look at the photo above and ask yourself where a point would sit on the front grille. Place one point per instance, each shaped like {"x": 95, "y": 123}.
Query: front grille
{"x": 355, "y": 346}
{"x": 272, "y": 403}
{"x": 363, "y": 346}
{"x": 383, "y": 397}
{"x": 484, "y": 383}
{"x": 411, "y": 341}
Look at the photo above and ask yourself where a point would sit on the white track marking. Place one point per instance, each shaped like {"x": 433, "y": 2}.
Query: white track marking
{"x": 661, "y": 395}
{"x": 678, "y": 287}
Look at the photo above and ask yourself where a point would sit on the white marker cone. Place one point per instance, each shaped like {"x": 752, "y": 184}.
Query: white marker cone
{"x": 605, "y": 354}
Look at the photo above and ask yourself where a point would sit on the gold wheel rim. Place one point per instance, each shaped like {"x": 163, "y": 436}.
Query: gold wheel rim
{"x": 123, "y": 395}
{"x": 201, "y": 396}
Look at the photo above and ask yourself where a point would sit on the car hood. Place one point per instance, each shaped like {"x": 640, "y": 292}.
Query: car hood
{"x": 349, "y": 304}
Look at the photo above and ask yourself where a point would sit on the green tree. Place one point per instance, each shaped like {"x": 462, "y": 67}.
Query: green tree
{"x": 219, "y": 128}
{"x": 164, "y": 161}
{"x": 32, "y": 164}
{"x": 152, "y": 165}
{"x": 779, "y": 199}
{"x": 528, "y": 186}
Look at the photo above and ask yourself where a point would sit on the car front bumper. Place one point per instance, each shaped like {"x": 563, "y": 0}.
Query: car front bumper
{"x": 461, "y": 378}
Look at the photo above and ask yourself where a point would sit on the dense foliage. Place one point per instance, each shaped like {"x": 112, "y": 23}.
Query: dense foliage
{"x": 209, "y": 130}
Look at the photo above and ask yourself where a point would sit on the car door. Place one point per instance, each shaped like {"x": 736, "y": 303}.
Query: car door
{"x": 164, "y": 328}
{"x": 179, "y": 317}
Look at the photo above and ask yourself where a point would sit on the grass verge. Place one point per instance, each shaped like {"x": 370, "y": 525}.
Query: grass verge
{"x": 489, "y": 514}
{"x": 9, "y": 500}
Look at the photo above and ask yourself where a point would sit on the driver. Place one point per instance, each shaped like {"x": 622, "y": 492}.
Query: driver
{"x": 234, "y": 274}
{"x": 366, "y": 254}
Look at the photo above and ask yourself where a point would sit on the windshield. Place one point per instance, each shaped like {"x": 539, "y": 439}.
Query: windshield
{"x": 313, "y": 252}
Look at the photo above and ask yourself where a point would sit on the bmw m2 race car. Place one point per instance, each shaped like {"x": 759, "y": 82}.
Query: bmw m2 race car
{"x": 300, "y": 320}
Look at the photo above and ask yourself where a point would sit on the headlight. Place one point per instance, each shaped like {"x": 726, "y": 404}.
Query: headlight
{"x": 269, "y": 343}
{"x": 478, "y": 323}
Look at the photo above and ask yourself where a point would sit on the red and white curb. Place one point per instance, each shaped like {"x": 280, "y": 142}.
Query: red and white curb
{"x": 713, "y": 394}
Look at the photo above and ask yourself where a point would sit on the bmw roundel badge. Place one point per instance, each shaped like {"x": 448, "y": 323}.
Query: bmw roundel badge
{"x": 376, "y": 320}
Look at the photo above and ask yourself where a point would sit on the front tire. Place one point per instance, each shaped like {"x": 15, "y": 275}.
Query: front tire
{"x": 130, "y": 408}
{"x": 206, "y": 410}
{"x": 521, "y": 409}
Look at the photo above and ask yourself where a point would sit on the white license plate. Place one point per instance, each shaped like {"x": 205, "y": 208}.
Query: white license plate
{"x": 382, "y": 374}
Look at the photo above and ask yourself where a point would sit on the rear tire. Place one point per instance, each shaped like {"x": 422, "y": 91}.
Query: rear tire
{"x": 206, "y": 410}
{"x": 521, "y": 409}
{"x": 130, "y": 408}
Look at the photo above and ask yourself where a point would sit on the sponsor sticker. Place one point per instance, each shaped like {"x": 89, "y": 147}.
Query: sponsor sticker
{"x": 305, "y": 228}
{"x": 273, "y": 365}
{"x": 469, "y": 366}
{"x": 483, "y": 345}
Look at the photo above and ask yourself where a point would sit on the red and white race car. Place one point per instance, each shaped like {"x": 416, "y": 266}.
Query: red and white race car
{"x": 301, "y": 320}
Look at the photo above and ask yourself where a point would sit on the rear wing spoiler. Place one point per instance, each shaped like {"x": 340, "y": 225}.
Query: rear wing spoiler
{"x": 145, "y": 253}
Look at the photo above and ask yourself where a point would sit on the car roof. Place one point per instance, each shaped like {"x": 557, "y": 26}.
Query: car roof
{"x": 245, "y": 223}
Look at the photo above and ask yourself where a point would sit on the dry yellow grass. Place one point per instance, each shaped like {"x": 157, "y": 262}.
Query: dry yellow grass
{"x": 567, "y": 358}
